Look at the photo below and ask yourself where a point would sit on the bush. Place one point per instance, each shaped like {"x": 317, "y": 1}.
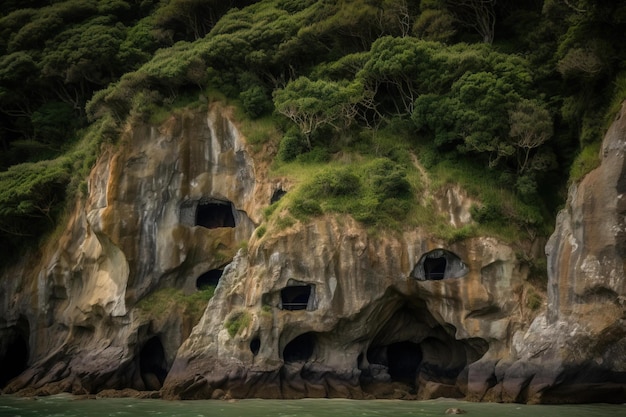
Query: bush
{"x": 303, "y": 208}
{"x": 586, "y": 161}
{"x": 236, "y": 321}
{"x": 388, "y": 179}
{"x": 292, "y": 145}
{"x": 336, "y": 183}
{"x": 317, "y": 155}
{"x": 487, "y": 213}
{"x": 255, "y": 101}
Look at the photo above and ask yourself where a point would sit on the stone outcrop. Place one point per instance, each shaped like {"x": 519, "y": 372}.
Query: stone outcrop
{"x": 576, "y": 351}
{"x": 315, "y": 309}
{"x": 367, "y": 328}
{"x": 83, "y": 311}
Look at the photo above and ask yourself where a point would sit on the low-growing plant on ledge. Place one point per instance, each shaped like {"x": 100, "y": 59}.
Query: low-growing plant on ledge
{"x": 236, "y": 321}
{"x": 162, "y": 301}
{"x": 375, "y": 192}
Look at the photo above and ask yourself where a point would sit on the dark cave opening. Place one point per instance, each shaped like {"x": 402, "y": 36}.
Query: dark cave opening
{"x": 214, "y": 214}
{"x": 295, "y": 297}
{"x": 439, "y": 264}
{"x": 255, "y": 346}
{"x": 299, "y": 349}
{"x": 277, "y": 195}
{"x": 404, "y": 359}
{"x": 209, "y": 279}
{"x": 152, "y": 364}
{"x": 14, "y": 353}
{"x": 435, "y": 268}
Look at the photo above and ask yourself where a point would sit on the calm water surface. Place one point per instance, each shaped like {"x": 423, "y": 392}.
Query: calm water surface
{"x": 68, "y": 406}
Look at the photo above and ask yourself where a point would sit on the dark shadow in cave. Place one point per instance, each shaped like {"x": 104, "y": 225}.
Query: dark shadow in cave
{"x": 152, "y": 364}
{"x": 214, "y": 214}
{"x": 439, "y": 264}
{"x": 435, "y": 268}
{"x": 404, "y": 359}
{"x": 255, "y": 346}
{"x": 277, "y": 195}
{"x": 14, "y": 351}
{"x": 209, "y": 279}
{"x": 299, "y": 349}
{"x": 295, "y": 297}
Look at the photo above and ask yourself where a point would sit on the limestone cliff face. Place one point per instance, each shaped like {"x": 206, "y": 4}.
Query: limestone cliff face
{"x": 581, "y": 340}
{"x": 317, "y": 309}
{"x": 77, "y": 310}
{"x": 367, "y": 324}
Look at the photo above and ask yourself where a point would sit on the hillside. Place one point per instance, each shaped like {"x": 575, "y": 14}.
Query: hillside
{"x": 292, "y": 198}
{"x": 504, "y": 96}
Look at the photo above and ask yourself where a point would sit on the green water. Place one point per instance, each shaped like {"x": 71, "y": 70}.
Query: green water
{"x": 68, "y": 406}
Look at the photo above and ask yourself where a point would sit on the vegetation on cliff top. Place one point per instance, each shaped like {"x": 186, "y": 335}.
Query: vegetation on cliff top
{"x": 510, "y": 100}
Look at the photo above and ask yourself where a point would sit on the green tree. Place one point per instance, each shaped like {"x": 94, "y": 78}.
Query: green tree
{"x": 531, "y": 127}
{"x": 315, "y": 104}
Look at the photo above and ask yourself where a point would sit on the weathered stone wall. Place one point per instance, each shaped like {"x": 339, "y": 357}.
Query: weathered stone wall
{"x": 577, "y": 350}
{"x": 317, "y": 309}
{"x": 85, "y": 331}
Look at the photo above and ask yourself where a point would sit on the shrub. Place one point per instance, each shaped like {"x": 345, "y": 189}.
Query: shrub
{"x": 291, "y": 145}
{"x": 336, "y": 183}
{"x": 236, "y": 321}
{"x": 533, "y": 300}
{"x": 255, "y": 101}
{"x": 587, "y": 160}
{"x": 305, "y": 207}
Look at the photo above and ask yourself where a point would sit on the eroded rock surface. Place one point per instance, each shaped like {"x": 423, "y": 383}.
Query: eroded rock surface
{"x": 77, "y": 309}
{"x": 365, "y": 326}
{"x": 316, "y": 309}
{"x": 576, "y": 352}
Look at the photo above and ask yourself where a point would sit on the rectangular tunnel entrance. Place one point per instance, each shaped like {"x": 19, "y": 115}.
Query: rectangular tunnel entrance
{"x": 295, "y": 297}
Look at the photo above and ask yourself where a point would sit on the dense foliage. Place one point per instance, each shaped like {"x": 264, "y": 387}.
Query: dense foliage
{"x": 519, "y": 90}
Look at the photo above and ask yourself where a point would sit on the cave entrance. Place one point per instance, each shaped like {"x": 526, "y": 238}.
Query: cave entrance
{"x": 295, "y": 297}
{"x": 412, "y": 348}
{"x": 152, "y": 364}
{"x": 214, "y": 214}
{"x": 14, "y": 352}
{"x": 435, "y": 268}
{"x": 277, "y": 195}
{"x": 439, "y": 264}
{"x": 299, "y": 349}
{"x": 404, "y": 359}
{"x": 255, "y": 346}
{"x": 209, "y": 279}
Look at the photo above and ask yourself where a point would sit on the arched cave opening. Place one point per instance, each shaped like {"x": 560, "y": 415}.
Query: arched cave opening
{"x": 152, "y": 364}
{"x": 255, "y": 346}
{"x": 439, "y": 264}
{"x": 213, "y": 214}
{"x": 209, "y": 279}
{"x": 299, "y": 349}
{"x": 412, "y": 346}
{"x": 277, "y": 195}
{"x": 295, "y": 297}
{"x": 14, "y": 352}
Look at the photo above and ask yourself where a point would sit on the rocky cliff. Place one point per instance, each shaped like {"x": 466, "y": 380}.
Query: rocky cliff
{"x": 316, "y": 309}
